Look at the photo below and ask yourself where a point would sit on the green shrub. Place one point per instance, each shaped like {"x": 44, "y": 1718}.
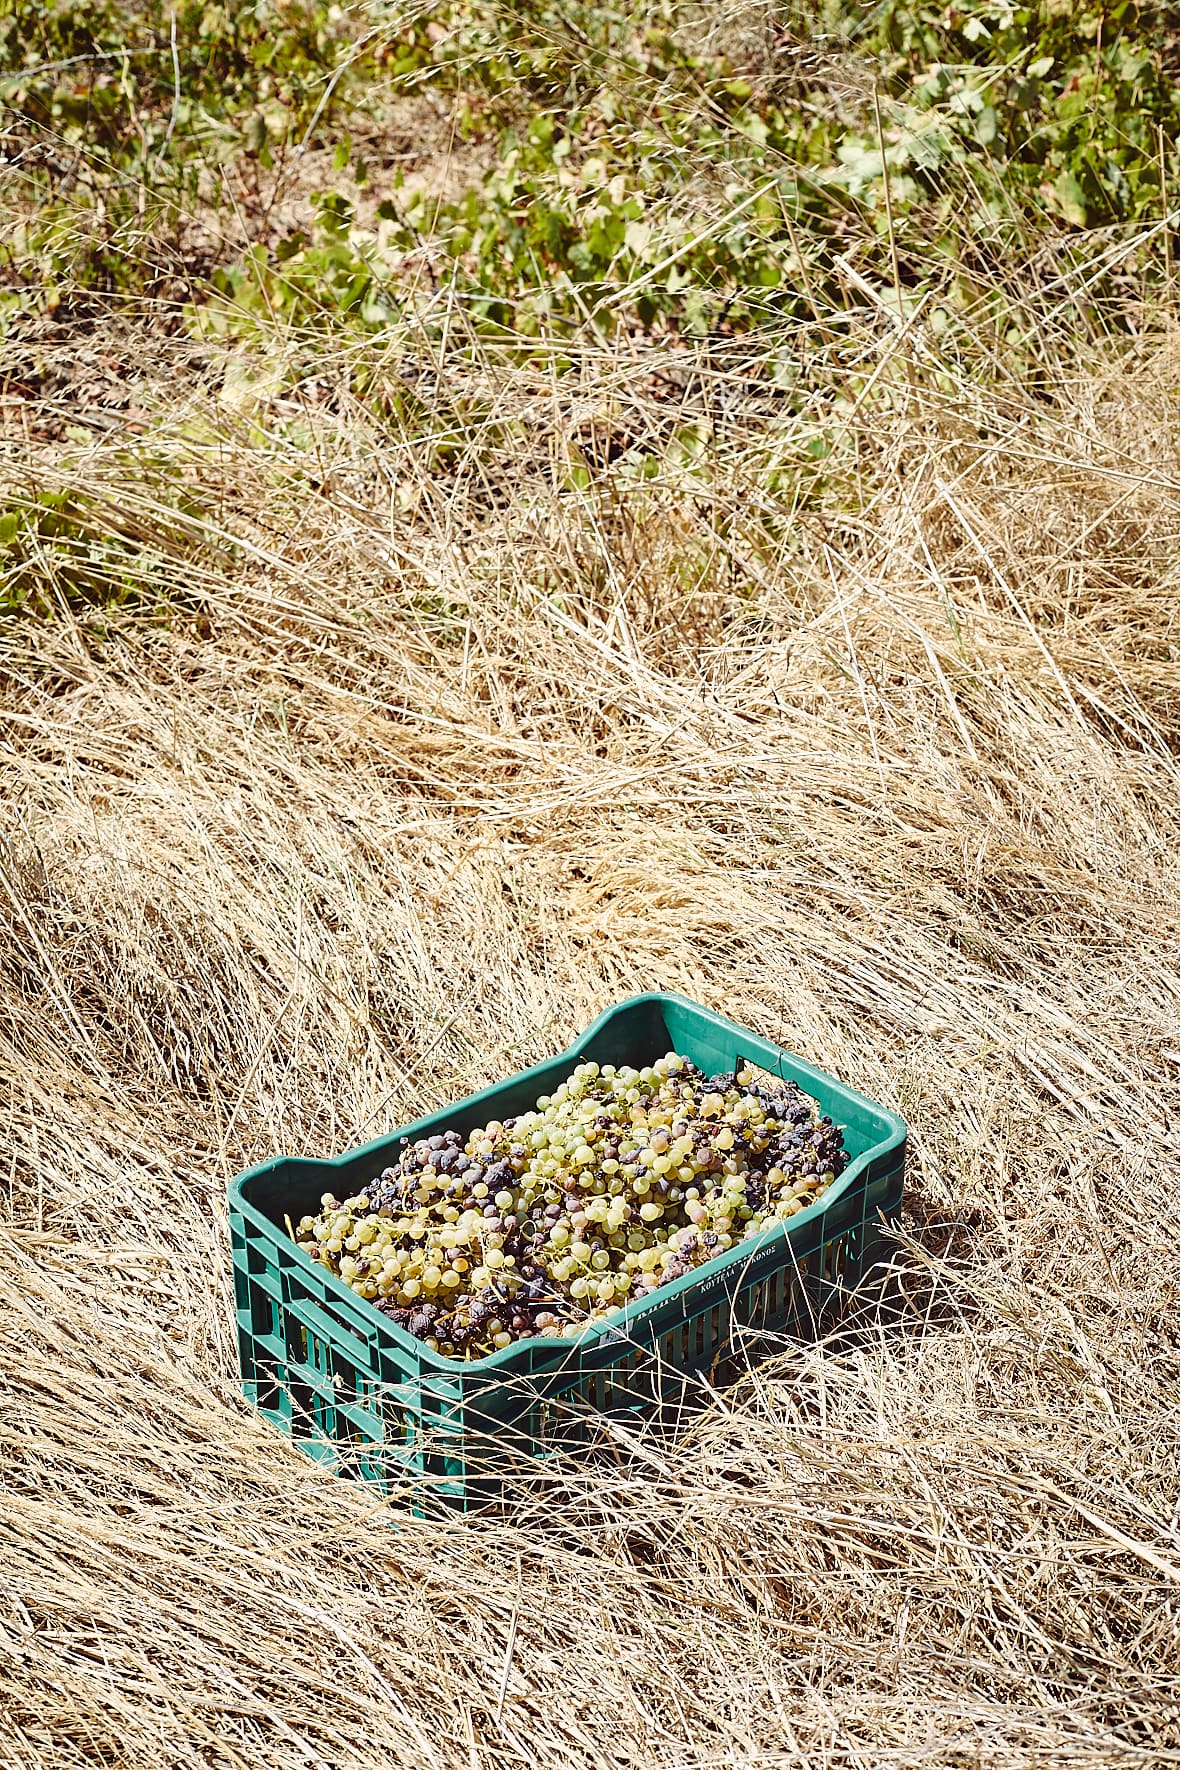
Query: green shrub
{"x": 638, "y": 167}
{"x": 1076, "y": 106}
{"x": 634, "y": 172}
{"x": 101, "y": 74}
{"x": 113, "y": 114}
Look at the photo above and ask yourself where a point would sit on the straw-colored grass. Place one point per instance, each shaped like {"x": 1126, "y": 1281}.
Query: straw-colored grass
{"x": 421, "y": 774}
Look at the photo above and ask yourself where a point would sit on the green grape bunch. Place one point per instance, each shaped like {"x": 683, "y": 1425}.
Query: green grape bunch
{"x": 618, "y": 1182}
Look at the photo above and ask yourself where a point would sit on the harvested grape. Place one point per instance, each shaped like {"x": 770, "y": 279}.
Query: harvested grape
{"x": 620, "y": 1181}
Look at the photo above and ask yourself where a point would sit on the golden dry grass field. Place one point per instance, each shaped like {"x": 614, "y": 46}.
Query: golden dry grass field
{"x": 401, "y": 773}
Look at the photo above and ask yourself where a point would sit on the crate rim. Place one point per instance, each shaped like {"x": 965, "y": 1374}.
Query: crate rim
{"x": 619, "y": 1323}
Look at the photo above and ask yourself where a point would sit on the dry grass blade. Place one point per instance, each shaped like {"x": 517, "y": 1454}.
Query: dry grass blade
{"x": 418, "y": 773}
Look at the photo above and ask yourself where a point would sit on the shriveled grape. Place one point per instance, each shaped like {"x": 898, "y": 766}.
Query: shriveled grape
{"x": 620, "y": 1181}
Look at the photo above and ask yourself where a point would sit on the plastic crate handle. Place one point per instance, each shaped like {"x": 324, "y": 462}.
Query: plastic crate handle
{"x": 317, "y": 1321}
{"x": 752, "y": 1049}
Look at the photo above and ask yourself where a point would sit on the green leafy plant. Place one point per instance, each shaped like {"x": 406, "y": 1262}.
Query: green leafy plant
{"x": 1076, "y": 105}
{"x": 128, "y": 80}
{"x": 117, "y": 117}
{"x": 635, "y": 173}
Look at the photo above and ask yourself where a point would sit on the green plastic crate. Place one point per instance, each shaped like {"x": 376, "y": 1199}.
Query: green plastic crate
{"x": 357, "y": 1392}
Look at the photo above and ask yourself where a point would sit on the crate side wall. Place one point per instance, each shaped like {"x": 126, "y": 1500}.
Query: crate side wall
{"x": 368, "y": 1410}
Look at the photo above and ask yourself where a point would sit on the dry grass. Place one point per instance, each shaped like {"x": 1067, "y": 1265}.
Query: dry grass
{"x": 424, "y": 772}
